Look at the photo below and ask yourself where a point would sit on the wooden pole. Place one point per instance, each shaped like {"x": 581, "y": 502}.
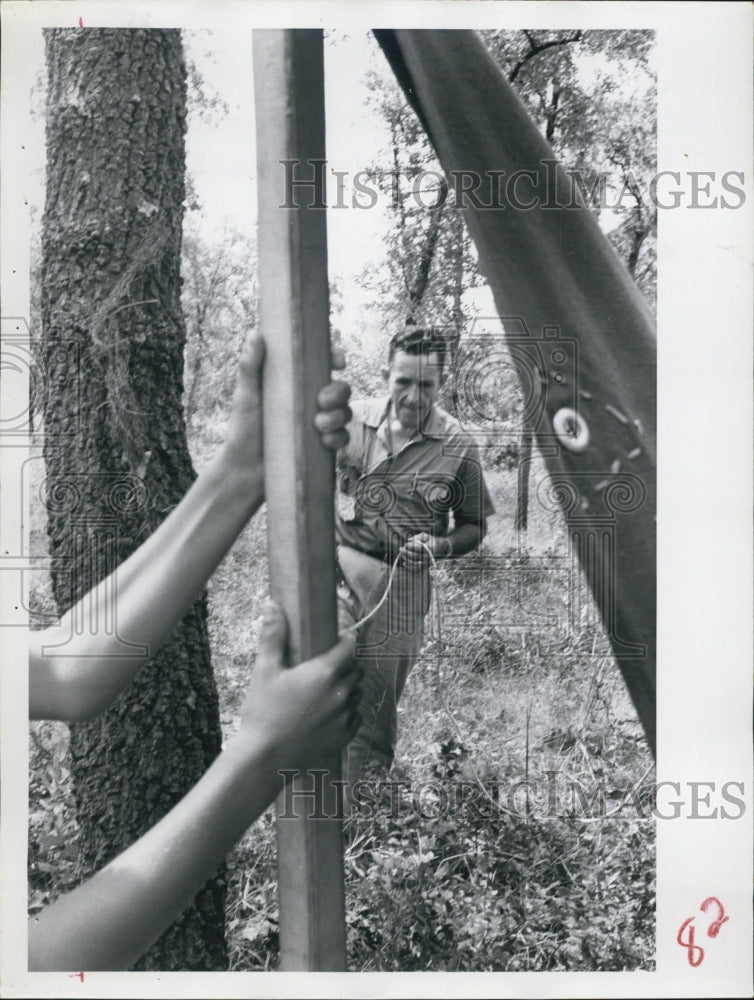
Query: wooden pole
{"x": 299, "y": 472}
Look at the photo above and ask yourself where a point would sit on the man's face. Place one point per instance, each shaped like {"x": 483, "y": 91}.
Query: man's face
{"x": 413, "y": 383}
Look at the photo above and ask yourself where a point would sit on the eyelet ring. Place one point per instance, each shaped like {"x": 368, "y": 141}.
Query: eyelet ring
{"x": 571, "y": 429}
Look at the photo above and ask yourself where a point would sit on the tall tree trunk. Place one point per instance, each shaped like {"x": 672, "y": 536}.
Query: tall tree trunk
{"x": 637, "y": 235}
{"x": 524, "y": 465}
{"x": 425, "y": 258}
{"x": 116, "y": 451}
{"x": 459, "y": 248}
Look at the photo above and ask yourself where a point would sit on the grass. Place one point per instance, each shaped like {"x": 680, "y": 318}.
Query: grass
{"x": 507, "y": 689}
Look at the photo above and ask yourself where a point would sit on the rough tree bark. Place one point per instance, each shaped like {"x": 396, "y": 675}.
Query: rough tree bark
{"x": 116, "y": 453}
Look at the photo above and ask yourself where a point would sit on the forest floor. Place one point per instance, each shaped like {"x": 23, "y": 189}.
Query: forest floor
{"x": 513, "y": 831}
{"x": 458, "y": 863}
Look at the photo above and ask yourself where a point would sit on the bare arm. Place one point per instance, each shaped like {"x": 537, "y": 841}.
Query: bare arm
{"x": 464, "y": 538}
{"x": 76, "y": 676}
{"x": 292, "y": 717}
{"x": 77, "y": 669}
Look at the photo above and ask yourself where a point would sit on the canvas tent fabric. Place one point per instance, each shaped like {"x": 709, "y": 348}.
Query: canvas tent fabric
{"x": 578, "y": 328}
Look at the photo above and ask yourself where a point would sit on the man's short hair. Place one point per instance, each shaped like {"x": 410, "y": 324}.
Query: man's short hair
{"x": 419, "y": 340}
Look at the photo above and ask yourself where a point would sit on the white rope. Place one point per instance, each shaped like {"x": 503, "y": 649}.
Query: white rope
{"x": 376, "y": 608}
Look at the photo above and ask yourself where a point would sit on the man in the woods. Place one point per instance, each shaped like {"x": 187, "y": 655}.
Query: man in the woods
{"x": 407, "y": 469}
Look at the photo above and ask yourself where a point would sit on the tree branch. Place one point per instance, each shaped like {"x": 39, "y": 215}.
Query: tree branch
{"x": 537, "y": 47}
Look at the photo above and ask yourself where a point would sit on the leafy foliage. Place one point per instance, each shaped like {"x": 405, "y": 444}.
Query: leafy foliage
{"x": 472, "y": 892}
{"x": 430, "y": 259}
{"x": 592, "y": 93}
{"x": 53, "y": 830}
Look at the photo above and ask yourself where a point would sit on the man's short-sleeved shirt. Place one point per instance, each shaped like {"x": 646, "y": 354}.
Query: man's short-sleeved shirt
{"x": 385, "y": 498}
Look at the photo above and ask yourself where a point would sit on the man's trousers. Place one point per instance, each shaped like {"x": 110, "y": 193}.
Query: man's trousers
{"x": 387, "y": 646}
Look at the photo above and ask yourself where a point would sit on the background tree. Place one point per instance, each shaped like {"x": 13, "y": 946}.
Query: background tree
{"x": 220, "y": 302}
{"x": 430, "y": 258}
{"x": 115, "y": 446}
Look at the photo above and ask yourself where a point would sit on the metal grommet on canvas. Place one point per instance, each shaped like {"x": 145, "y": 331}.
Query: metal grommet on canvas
{"x": 571, "y": 429}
